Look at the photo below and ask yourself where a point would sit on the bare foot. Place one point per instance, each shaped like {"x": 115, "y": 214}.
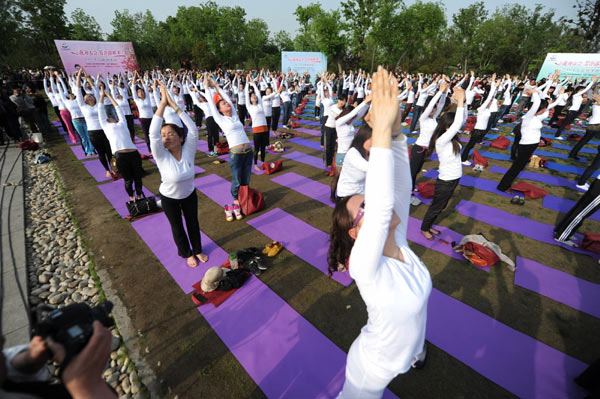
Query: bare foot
{"x": 108, "y": 174}
{"x": 434, "y": 232}
{"x": 427, "y": 235}
{"x": 192, "y": 262}
{"x": 202, "y": 257}
{"x": 130, "y": 198}
{"x": 256, "y": 167}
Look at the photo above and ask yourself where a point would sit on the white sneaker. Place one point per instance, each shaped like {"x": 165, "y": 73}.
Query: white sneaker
{"x": 404, "y": 124}
{"x": 583, "y": 187}
{"x": 466, "y": 163}
{"x": 567, "y": 242}
{"x": 285, "y": 127}
{"x": 495, "y": 129}
{"x": 414, "y": 201}
{"x": 414, "y": 132}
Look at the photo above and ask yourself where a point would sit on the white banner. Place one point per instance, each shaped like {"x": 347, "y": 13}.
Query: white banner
{"x": 577, "y": 65}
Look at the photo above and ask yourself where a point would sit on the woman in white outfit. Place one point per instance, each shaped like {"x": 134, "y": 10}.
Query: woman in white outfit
{"x": 392, "y": 280}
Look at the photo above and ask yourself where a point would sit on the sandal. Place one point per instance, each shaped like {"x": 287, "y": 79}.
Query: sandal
{"x": 267, "y": 248}
{"x": 426, "y": 233}
{"x": 277, "y": 246}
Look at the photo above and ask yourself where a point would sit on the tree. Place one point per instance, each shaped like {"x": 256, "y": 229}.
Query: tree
{"x": 466, "y": 23}
{"x": 84, "y": 27}
{"x": 360, "y": 17}
{"x": 283, "y": 41}
{"x": 45, "y": 21}
{"x": 587, "y": 24}
{"x": 10, "y": 28}
{"x": 257, "y": 39}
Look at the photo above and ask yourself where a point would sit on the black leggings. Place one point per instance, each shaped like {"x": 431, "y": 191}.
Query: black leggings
{"x": 102, "y": 146}
{"x": 524, "y": 153}
{"x": 571, "y": 115}
{"x": 145, "y": 122}
{"x": 242, "y": 112}
{"x": 129, "y": 165}
{"x": 515, "y": 145}
{"x": 406, "y": 111}
{"x": 261, "y": 141}
{"x": 276, "y": 112}
{"x": 130, "y": 125}
{"x": 189, "y": 207}
{"x": 198, "y": 116}
{"x": 591, "y": 132}
{"x": 417, "y": 159}
{"x": 442, "y": 194}
{"x": 476, "y": 136}
{"x": 330, "y": 140}
{"x": 213, "y": 133}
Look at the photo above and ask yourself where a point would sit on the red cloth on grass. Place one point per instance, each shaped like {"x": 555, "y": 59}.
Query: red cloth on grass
{"x": 544, "y": 142}
{"x": 509, "y": 118}
{"x": 591, "y": 242}
{"x": 479, "y": 159}
{"x": 500, "y": 143}
{"x": 214, "y": 297}
{"x": 529, "y": 190}
{"x": 574, "y": 137}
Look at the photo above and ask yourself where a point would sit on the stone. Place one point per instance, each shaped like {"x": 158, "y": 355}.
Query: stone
{"x": 44, "y": 277}
{"x": 57, "y": 298}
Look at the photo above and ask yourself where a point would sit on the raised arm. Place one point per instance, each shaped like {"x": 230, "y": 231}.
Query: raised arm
{"x": 355, "y": 113}
{"x": 432, "y": 103}
{"x": 459, "y": 95}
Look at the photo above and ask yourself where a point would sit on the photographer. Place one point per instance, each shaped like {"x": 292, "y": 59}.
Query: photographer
{"x": 23, "y": 372}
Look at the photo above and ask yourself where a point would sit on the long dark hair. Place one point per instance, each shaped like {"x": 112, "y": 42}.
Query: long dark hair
{"x": 345, "y": 111}
{"x": 444, "y": 122}
{"x": 180, "y": 132}
{"x": 364, "y": 133}
{"x": 340, "y": 242}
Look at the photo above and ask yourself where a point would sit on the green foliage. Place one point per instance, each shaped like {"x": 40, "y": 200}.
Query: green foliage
{"x": 84, "y": 27}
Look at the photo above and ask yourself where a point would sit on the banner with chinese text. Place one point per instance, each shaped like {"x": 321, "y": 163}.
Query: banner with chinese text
{"x": 578, "y": 65}
{"x": 296, "y": 61}
{"x": 97, "y": 57}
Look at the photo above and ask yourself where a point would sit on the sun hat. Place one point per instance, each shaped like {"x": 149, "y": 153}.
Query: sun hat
{"x": 211, "y": 279}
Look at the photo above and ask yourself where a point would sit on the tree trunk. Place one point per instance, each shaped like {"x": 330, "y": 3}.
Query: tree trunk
{"x": 373, "y": 58}
{"x": 404, "y": 53}
{"x": 465, "y": 65}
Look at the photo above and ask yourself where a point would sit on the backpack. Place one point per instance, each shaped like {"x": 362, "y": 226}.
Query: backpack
{"x": 479, "y": 159}
{"x": 272, "y": 167}
{"x": 591, "y": 242}
{"x": 222, "y": 148}
{"x": 479, "y": 255}
{"x": 500, "y": 143}
{"x": 426, "y": 189}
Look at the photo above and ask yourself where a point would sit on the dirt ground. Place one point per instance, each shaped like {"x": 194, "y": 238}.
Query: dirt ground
{"x": 190, "y": 360}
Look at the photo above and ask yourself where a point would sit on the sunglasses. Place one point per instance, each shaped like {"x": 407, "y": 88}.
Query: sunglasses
{"x": 359, "y": 214}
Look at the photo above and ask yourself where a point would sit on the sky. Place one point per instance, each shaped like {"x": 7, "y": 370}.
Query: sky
{"x": 279, "y": 14}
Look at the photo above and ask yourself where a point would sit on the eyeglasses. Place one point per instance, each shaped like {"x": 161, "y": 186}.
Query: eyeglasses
{"x": 169, "y": 134}
{"x": 359, "y": 214}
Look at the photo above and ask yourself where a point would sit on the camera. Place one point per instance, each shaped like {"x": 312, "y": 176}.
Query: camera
{"x": 72, "y": 327}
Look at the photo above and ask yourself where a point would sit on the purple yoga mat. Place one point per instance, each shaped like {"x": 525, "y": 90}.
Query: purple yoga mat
{"x": 517, "y": 224}
{"x": 308, "y": 131}
{"x": 79, "y": 153}
{"x": 472, "y": 181}
{"x": 306, "y": 186}
{"x": 539, "y": 177}
{"x": 68, "y": 140}
{"x": 515, "y": 361}
{"x": 115, "y": 194}
{"x": 308, "y": 122}
{"x": 306, "y": 143}
{"x": 305, "y": 159}
{"x": 155, "y": 230}
{"x": 564, "y": 205}
{"x": 216, "y": 188}
{"x": 560, "y": 286}
{"x": 298, "y": 237}
{"x": 96, "y": 170}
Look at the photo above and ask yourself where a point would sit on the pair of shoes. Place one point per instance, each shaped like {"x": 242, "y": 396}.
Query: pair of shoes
{"x": 584, "y": 187}
{"x": 331, "y": 170}
{"x": 276, "y": 246}
{"x": 517, "y": 200}
{"x": 228, "y": 213}
{"x": 285, "y": 127}
{"x": 495, "y": 129}
{"x": 466, "y": 163}
{"x": 478, "y": 168}
{"x": 212, "y": 154}
{"x": 414, "y": 201}
{"x": 568, "y": 242}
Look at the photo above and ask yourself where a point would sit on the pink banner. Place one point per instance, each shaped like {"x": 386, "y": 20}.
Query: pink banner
{"x": 97, "y": 57}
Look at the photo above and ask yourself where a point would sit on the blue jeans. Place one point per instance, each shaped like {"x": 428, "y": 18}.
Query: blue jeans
{"x": 287, "y": 112}
{"x": 417, "y": 111}
{"x": 81, "y": 128}
{"x": 240, "y": 165}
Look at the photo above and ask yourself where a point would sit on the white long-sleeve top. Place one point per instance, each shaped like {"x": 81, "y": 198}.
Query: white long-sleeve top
{"x": 450, "y": 163}
{"x": 531, "y": 126}
{"x": 276, "y": 99}
{"x": 334, "y": 111}
{"x": 484, "y": 112}
{"x": 257, "y": 113}
{"x": 177, "y": 177}
{"x": 144, "y": 106}
{"x": 50, "y": 94}
{"x": 230, "y": 125}
{"x": 395, "y": 292}
{"x": 345, "y": 129}
{"x": 470, "y": 94}
{"x": 89, "y": 113}
{"x": 71, "y": 105}
{"x": 352, "y": 177}
{"x": 267, "y": 101}
{"x": 170, "y": 115}
{"x": 122, "y": 102}
{"x": 578, "y": 97}
{"x": 595, "y": 118}
{"x": 116, "y": 133}
{"x": 428, "y": 121}
{"x": 202, "y": 105}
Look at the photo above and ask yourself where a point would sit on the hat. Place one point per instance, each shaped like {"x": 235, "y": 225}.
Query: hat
{"x": 216, "y": 98}
{"x": 211, "y": 279}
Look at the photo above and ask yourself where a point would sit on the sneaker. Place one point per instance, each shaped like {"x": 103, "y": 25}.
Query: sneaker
{"x": 560, "y": 138}
{"x": 414, "y": 132}
{"x": 466, "y": 163}
{"x": 495, "y": 129}
{"x": 414, "y": 201}
{"x": 404, "y": 124}
{"x": 285, "y": 127}
{"x": 583, "y": 187}
{"x": 567, "y": 242}
{"x": 228, "y": 214}
{"x": 212, "y": 154}
{"x": 237, "y": 211}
